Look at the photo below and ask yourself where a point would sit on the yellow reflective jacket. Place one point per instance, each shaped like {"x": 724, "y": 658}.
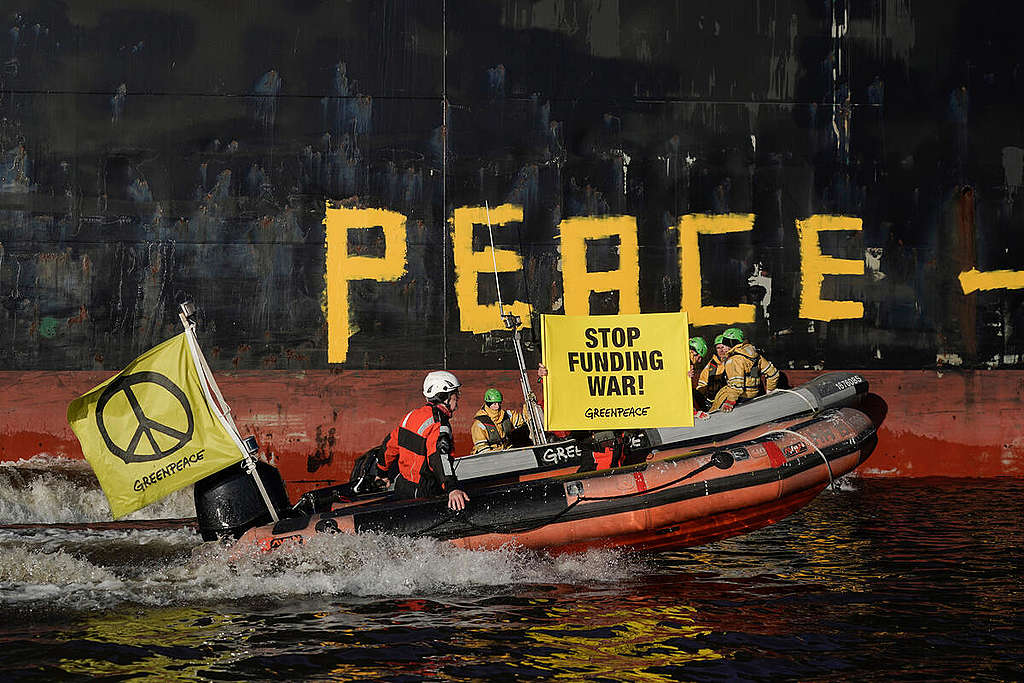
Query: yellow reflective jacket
{"x": 745, "y": 371}
{"x": 712, "y": 378}
{"x": 492, "y": 429}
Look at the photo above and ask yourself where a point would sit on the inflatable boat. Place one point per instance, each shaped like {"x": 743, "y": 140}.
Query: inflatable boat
{"x": 830, "y": 390}
{"x": 672, "y": 498}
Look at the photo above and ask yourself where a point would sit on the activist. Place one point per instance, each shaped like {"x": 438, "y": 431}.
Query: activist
{"x": 698, "y": 352}
{"x": 748, "y": 373}
{"x": 495, "y": 429}
{"x": 421, "y": 446}
{"x": 712, "y": 377}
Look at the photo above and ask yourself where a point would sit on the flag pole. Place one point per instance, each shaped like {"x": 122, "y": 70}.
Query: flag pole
{"x": 219, "y": 405}
{"x": 534, "y": 415}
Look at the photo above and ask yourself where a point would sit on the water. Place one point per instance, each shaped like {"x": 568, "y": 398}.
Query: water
{"x": 884, "y": 580}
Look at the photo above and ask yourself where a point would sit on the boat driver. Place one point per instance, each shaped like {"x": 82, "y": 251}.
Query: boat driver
{"x": 494, "y": 428}
{"x": 420, "y": 448}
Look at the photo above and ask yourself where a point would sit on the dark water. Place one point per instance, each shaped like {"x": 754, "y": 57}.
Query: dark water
{"x": 883, "y": 580}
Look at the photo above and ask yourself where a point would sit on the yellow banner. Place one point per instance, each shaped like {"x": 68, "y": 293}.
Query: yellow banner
{"x": 148, "y": 431}
{"x": 616, "y": 371}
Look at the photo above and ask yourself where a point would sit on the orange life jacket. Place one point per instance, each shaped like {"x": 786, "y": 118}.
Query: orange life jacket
{"x": 417, "y": 441}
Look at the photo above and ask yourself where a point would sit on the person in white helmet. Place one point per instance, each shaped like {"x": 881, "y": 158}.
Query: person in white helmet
{"x": 420, "y": 448}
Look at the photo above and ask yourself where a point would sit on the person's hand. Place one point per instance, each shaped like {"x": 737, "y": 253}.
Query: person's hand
{"x": 728, "y": 406}
{"x": 457, "y": 500}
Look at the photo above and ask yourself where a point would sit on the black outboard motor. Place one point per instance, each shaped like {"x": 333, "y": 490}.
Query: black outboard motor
{"x": 228, "y": 503}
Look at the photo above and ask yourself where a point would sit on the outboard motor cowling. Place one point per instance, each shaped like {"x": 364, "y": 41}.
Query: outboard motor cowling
{"x": 228, "y": 503}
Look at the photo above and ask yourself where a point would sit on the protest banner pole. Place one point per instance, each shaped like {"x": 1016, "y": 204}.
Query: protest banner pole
{"x": 219, "y": 405}
{"x": 534, "y": 415}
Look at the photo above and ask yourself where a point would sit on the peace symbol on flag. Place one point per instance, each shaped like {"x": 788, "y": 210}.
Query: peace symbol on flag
{"x": 147, "y": 428}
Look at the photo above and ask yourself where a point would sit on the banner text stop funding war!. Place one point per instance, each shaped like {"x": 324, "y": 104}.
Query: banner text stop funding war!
{"x": 624, "y": 366}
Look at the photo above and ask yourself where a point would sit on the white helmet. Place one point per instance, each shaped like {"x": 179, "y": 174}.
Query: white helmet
{"x": 439, "y": 382}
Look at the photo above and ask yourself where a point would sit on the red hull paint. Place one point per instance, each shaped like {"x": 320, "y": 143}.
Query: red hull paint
{"x": 315, "y": 423}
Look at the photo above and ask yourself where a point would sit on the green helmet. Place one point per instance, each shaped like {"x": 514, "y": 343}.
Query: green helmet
{"x": 718, "y": 340}
{"x": 492, "y": 395}
{"x": 699, "y": 345}
{"x": 733, "y": 333}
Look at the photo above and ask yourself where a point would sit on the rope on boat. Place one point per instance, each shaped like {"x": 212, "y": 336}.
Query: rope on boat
{"x": 831, "y": 478}
{"x": 814, "y": 409}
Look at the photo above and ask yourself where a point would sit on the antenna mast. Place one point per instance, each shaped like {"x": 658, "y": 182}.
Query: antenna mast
{"x": 534, "y": 414}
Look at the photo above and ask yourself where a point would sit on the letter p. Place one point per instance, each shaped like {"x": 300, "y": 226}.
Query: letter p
{"x": 343, "y": 267}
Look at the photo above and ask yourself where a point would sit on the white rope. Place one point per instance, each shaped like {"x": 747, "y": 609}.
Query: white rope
{"x": 831, "y": 478}
{"x": 814, "y": 408}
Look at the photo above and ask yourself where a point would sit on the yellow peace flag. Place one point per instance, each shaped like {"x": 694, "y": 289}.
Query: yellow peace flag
{"x": 616, "y": 371}
{"x": 149, "y": 431}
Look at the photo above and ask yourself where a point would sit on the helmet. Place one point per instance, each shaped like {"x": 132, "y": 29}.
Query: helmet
{"x": 733, "y": 333}
{"x": 438, "y": 384}
{"x": 699, "y": 345}
{"x": 718, "y": 340}
{"x": 492, "y": 395}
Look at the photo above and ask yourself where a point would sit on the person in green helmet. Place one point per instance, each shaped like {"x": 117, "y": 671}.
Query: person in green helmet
{"x": 712, "y": 377}
{"x": 698, "y": 354}
{"x": 495, "y": 429}
{"x": 747, "y": 373}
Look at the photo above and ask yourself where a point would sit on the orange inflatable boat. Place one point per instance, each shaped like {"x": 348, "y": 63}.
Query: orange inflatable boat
{"x": 672, "y": 499}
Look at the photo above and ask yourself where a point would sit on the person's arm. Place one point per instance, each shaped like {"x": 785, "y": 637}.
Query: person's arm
{"x": 386, "y": 469}
{"x": 705, "y": 375}
{"x": 440, "y": 447}
{"x": 733, "y": 389}
{"x": 769, "y": 372}
{"x": 479, "y": 434}
{"x": 519, "y": 417}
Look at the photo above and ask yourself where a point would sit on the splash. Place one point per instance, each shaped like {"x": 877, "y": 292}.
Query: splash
{"x": 84, "y": 571}
{"x": 390, "y": 565}
{"x": 51, "y": 490}
{"x": 25, "y": 565}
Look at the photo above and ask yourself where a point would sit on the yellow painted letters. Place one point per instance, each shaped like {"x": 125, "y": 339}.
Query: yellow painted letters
{"x": 972, "y": 280}
{"x": 577, "y": 283}
{"x": 343, "y": 268}
{"x": 815, "y": 266}
{"x": 474, "y": 316}
{"x": 691, "y": 227}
